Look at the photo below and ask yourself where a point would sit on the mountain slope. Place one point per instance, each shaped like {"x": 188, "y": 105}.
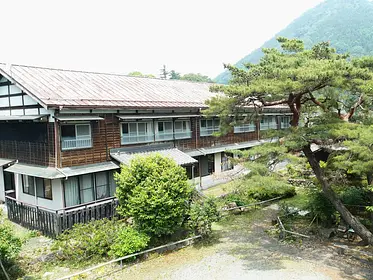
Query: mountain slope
{"x": 347, "y": 24}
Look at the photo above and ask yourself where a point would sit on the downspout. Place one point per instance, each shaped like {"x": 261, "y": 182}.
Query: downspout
{"x": 55, "y": 143}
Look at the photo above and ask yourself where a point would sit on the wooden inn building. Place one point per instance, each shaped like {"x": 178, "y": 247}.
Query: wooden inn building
{"x": 64, "y": 133}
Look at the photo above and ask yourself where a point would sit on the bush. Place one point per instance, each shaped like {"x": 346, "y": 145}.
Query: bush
{"x": 99, "y": 239}
{"x": 264, "y": 188}
{"x": 128, "y": 241}
{"x": 319, "y": 205}
{"x": 154, "y": 190}
{"x": 202, "y": 215}
{"x": 86, "y": 241}
{"x": 10, "y": 245}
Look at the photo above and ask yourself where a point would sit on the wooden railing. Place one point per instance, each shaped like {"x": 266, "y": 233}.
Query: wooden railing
{"x": 53, "y": 222}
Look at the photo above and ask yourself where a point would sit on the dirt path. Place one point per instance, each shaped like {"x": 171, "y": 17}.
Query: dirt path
{"x": 241, "y": 249}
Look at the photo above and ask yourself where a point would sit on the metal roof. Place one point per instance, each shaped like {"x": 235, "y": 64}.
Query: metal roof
{"x": 22, "y": 118}
{"x": 90, "y": 168}
{"x": 4, "y": 161}
{"x": 78, "y": 89}
{"x": 178, "y": 156}
{"x": 236, "y": 146}
{"x": 78, "y": 118}
{"x": 35, "y": 170}
{"x": 135, "y": 117}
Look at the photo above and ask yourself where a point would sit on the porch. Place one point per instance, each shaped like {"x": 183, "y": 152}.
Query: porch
{"x": 53, "y": 222}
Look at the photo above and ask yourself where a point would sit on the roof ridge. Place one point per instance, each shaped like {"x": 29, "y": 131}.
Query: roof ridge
{"x": 102, "y": 73}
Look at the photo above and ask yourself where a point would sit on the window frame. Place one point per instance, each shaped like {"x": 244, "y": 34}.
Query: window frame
{"x": 147, "y": 136}
{"x": 26, "y": 177}
{"x": 209, "y": 131}
{"x": 245, "y": 127}
{"x": 76, "y": 125}
{"x": 268, "y": 125}
{"x": 184, "y": 134}
{"x": 165, "y": 132}
{"x": 35, "y": 187}
{"x": 287, "y": 124}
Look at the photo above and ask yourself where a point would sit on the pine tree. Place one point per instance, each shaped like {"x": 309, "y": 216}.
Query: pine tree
{"x": 327, "y": 89}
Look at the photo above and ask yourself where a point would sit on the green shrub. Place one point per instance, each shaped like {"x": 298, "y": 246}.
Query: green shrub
{"x": 202, "y": 215}
{"x": 10, "y": 245}
{"x": 87, "y": 241}
{"x": 154, "y": 190}
{"x": 128, "y": 241}
{"x": 264, "y": 188}
{"x": 319, "y": 205}
{"x": 355, "y": 196}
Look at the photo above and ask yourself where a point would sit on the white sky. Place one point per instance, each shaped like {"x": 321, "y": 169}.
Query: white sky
{"x": 124, "y": 36}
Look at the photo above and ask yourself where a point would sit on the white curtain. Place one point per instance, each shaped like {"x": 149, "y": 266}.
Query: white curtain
{"x": 86, "y": 188}
{"x": 71, "y": 191}
{"x": 101, "y": 185}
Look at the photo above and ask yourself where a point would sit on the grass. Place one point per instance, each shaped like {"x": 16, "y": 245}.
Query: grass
{"x": 221, "y": 189}
{"x": 300, "y": 200}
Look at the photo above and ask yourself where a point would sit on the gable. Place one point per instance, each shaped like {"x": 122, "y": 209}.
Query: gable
{"x": 15, "y": 102}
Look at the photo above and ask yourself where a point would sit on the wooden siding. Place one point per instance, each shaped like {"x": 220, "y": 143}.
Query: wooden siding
{"x": 106, "y": 135}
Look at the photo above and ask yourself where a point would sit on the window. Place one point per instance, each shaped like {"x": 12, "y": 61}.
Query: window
{"x": 268, "y": 122}
{"x": 76, "y": 136}
{"x": 137, "y": 132}
{"x": 285, "y": 121}
{"x": 209, "y": 126}
{"x": 182, "y": 129}
{"x": 43, "y": 186}
{"x": 164, "y": 130}
{"x": 246, "y": 127}
{"x": 28, "y": 185}
{"x": 89, "y": 187}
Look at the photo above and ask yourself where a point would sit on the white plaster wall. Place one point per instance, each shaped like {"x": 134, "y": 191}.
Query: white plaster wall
{"x": 217, "y": 162}
{"x": 2, "y": 187}
{"x": 57, "y": 195}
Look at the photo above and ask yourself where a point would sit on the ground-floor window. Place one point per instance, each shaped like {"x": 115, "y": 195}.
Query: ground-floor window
{"x": 89, "y": 187}
{"x": 43, "y": 187}
{"x": 226, "y": 161}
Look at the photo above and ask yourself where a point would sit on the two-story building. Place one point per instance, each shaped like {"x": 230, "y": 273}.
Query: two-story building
{"x": 64, "y": 133}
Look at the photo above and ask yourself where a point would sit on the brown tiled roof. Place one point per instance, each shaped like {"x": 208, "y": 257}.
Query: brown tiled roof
{"x": 78, "y": 89}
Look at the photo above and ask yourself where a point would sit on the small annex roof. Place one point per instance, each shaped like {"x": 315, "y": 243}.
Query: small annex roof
{"x": 22, "y": 118}
{"x": 124, "y": 156}
{"x": 5, "y": 161}
{"x": 90, "y": 168}
{"x": 236, "y": 146}
{"x": 35, "y": 170}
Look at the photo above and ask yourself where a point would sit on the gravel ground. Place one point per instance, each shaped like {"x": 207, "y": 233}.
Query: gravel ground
{"x": 242, "y": 249}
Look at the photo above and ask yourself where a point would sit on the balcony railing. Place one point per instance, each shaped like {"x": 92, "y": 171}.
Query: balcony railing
{"x": 132, "y": 139}
{"x": 268, "y": 126}
{"x": 244, "y": 128}
{"x": 183, "y": 134}
{"x": 80, "y": 143}
{"x": 209, "y": 131}
{"x": 164, "y": 136}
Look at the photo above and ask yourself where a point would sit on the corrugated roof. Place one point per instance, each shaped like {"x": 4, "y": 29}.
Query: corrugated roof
{"x": 22, "y": 118}
{"x": 56, "y": 87}
{"x": 5, "y": 161}
{"x": 35, "y": 170}
{"x": 78, "y": 118}
{"x": 154, "y": 116}
{"x": 90, "y": 168}
{"x": 177, "y": 155}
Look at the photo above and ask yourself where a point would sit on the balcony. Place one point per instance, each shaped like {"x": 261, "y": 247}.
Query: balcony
{"x": 209, "y": 131}
{"x": 76, "y": 143}
{"x": 134, "y": 139}
{"x": 164, "y": 136}
{"x": 183, "y": 134}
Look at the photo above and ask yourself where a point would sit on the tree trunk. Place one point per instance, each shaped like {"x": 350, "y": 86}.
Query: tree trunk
{"x": 328, "y": 192}
{"x": 370, "y": 184}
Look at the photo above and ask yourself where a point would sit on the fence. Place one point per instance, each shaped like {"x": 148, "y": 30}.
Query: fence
{"x": 53, "y": 222}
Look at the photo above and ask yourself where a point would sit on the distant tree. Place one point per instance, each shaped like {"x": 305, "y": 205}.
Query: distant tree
{"x": 155, "y": 192}
{"x": 196, "y": 78}
{"x": 164, "y": 74}
{"x": 139, "y": 74}
{"x": 174, "y": 75}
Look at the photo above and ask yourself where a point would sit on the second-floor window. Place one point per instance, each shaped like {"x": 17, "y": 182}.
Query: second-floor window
{"x": 137, "y": 132}
{"x": 246, "y": 127}
{"x": 268, "y": 122}
{"x": 209, "y": 126}
{"x": 164, "y": 130}
{"x": 76, "y": 136}
{"x": 182, "y": 129}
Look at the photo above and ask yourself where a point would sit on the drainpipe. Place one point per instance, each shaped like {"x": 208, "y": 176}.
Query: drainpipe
{"x": 55, "y": 143}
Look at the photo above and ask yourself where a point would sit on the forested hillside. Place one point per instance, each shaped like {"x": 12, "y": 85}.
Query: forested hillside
{"x": 347, "y": 24}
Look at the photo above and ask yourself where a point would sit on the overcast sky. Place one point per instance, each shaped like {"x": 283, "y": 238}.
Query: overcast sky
{"x": 124, "y": 36}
